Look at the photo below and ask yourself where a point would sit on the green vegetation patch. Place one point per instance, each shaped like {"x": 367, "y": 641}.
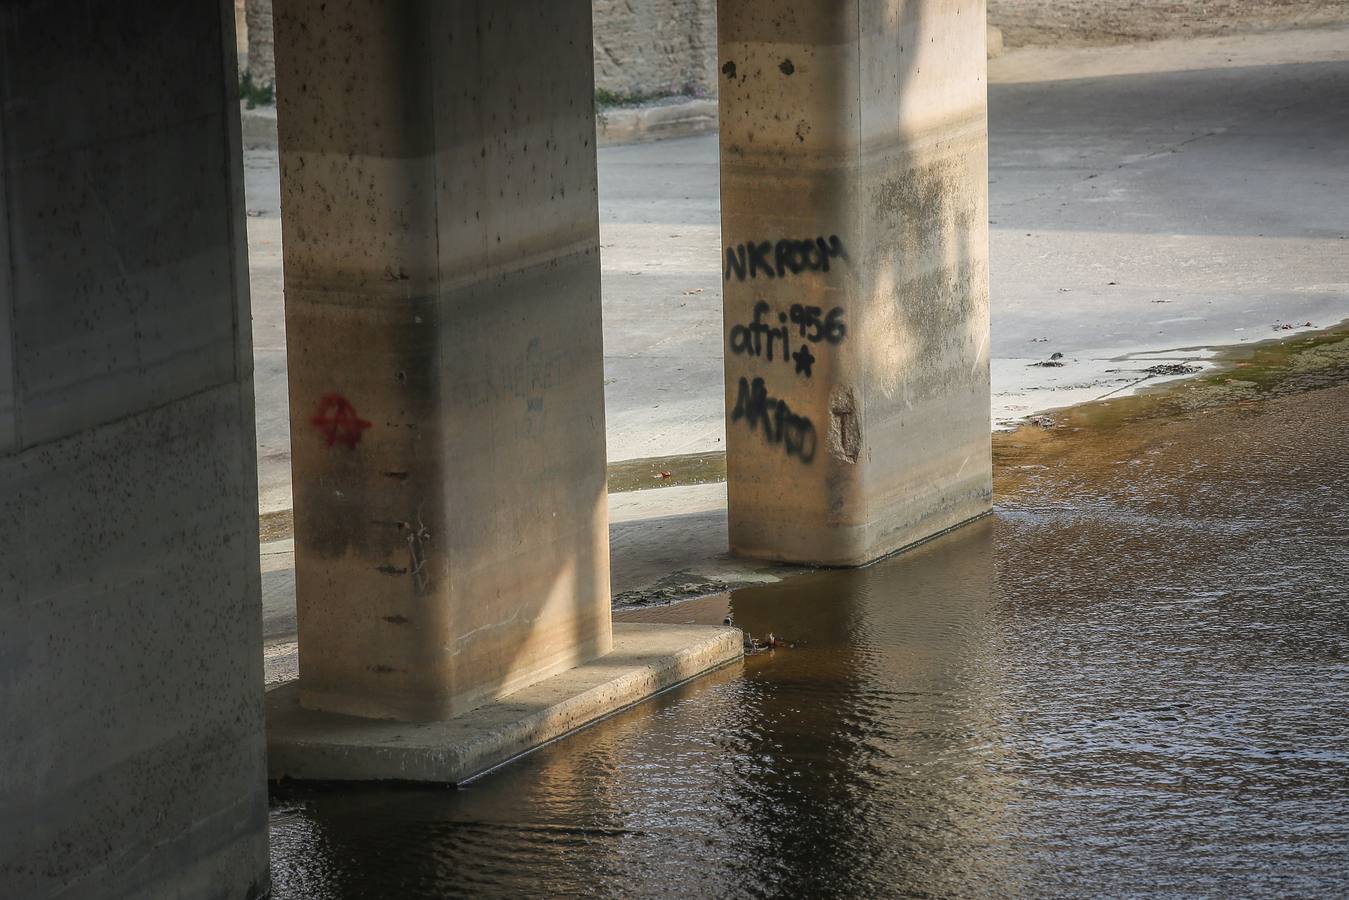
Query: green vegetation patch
{"x": 666, "y": 471}
{"x": 1275, "y": 368}
{"x": 255, "y": 95}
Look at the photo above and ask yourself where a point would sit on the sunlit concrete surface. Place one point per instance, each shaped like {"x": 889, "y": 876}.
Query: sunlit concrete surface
{"x": 1153, "y": 200}
{"x": 444, "y": 344}
{"x": 854, "y": 212}
{"x": 1205, "y": 178}
{"x": 646, "y": 659}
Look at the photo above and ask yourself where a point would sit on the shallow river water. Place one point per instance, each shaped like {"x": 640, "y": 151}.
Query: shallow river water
{"x": 1132, "y": 678}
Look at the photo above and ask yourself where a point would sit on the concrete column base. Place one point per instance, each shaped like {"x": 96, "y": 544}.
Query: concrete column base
{"x": 310, "y": 745}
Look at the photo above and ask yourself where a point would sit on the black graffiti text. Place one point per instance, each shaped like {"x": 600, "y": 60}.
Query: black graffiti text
{"x": 780, "y": 425}
{"x": 771, "y": 259}
{"x": 762, "y": 339}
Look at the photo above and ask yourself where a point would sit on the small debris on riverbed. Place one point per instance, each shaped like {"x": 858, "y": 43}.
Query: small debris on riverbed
{"x": 1289, "y": 326}
{"x": 1172, "y": 369}
{"x": 1041, "y": 421}
{"x": 1054, "y": 362}
{"x": 772, "y": 642}
{"x": 661, "y": 476}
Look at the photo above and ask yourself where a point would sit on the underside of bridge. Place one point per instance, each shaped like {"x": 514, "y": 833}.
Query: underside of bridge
{"x": 439, "y": 202}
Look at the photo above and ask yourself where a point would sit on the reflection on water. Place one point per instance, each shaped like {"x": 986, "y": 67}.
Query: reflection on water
{"x": 1133, "y": 678}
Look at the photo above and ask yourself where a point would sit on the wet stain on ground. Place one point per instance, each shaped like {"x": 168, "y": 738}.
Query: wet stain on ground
{"x": 1133, "y": 677}
{"x": 1240, "y": 374}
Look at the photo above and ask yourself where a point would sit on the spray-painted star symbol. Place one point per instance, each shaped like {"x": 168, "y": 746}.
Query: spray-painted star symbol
{"x": 804, "y": 360}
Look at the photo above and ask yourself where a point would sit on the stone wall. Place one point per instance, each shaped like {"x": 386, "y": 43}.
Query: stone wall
{"x": 261, "y": 59}
{"x": 660, "y": 47}
{"x": 642, "y": 47}
{"x": 1092, "y": 21}
{"x": 655, "y": 47}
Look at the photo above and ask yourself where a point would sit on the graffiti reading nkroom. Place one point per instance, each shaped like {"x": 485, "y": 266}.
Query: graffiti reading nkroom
{"x": 777, "y": 260}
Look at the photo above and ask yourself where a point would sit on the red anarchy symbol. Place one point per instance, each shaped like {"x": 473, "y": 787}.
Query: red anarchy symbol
{"x": 338, "y": 422}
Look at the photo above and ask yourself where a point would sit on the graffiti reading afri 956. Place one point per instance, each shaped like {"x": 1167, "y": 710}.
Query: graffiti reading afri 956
{"x": 760, "y": 338}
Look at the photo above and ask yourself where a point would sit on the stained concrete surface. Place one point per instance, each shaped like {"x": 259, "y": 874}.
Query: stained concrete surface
{"x": 1204, "y": 178}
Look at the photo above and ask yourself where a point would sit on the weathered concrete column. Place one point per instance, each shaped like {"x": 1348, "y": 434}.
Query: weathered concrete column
{"x": 440, "y": 223}
{"x": 854, "y": 214}
{"x": 131, "y": 719}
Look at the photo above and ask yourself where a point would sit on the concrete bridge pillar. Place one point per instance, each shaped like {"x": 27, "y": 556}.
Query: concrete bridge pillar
{"x": 855, "y": 223}
{"x": 440, "y": 221}
{"x": 131, "y": 714}
{"x": 441, "y": 237}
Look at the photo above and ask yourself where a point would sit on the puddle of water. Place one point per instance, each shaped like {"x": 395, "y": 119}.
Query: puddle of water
{"x": 1133, "y": 678}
